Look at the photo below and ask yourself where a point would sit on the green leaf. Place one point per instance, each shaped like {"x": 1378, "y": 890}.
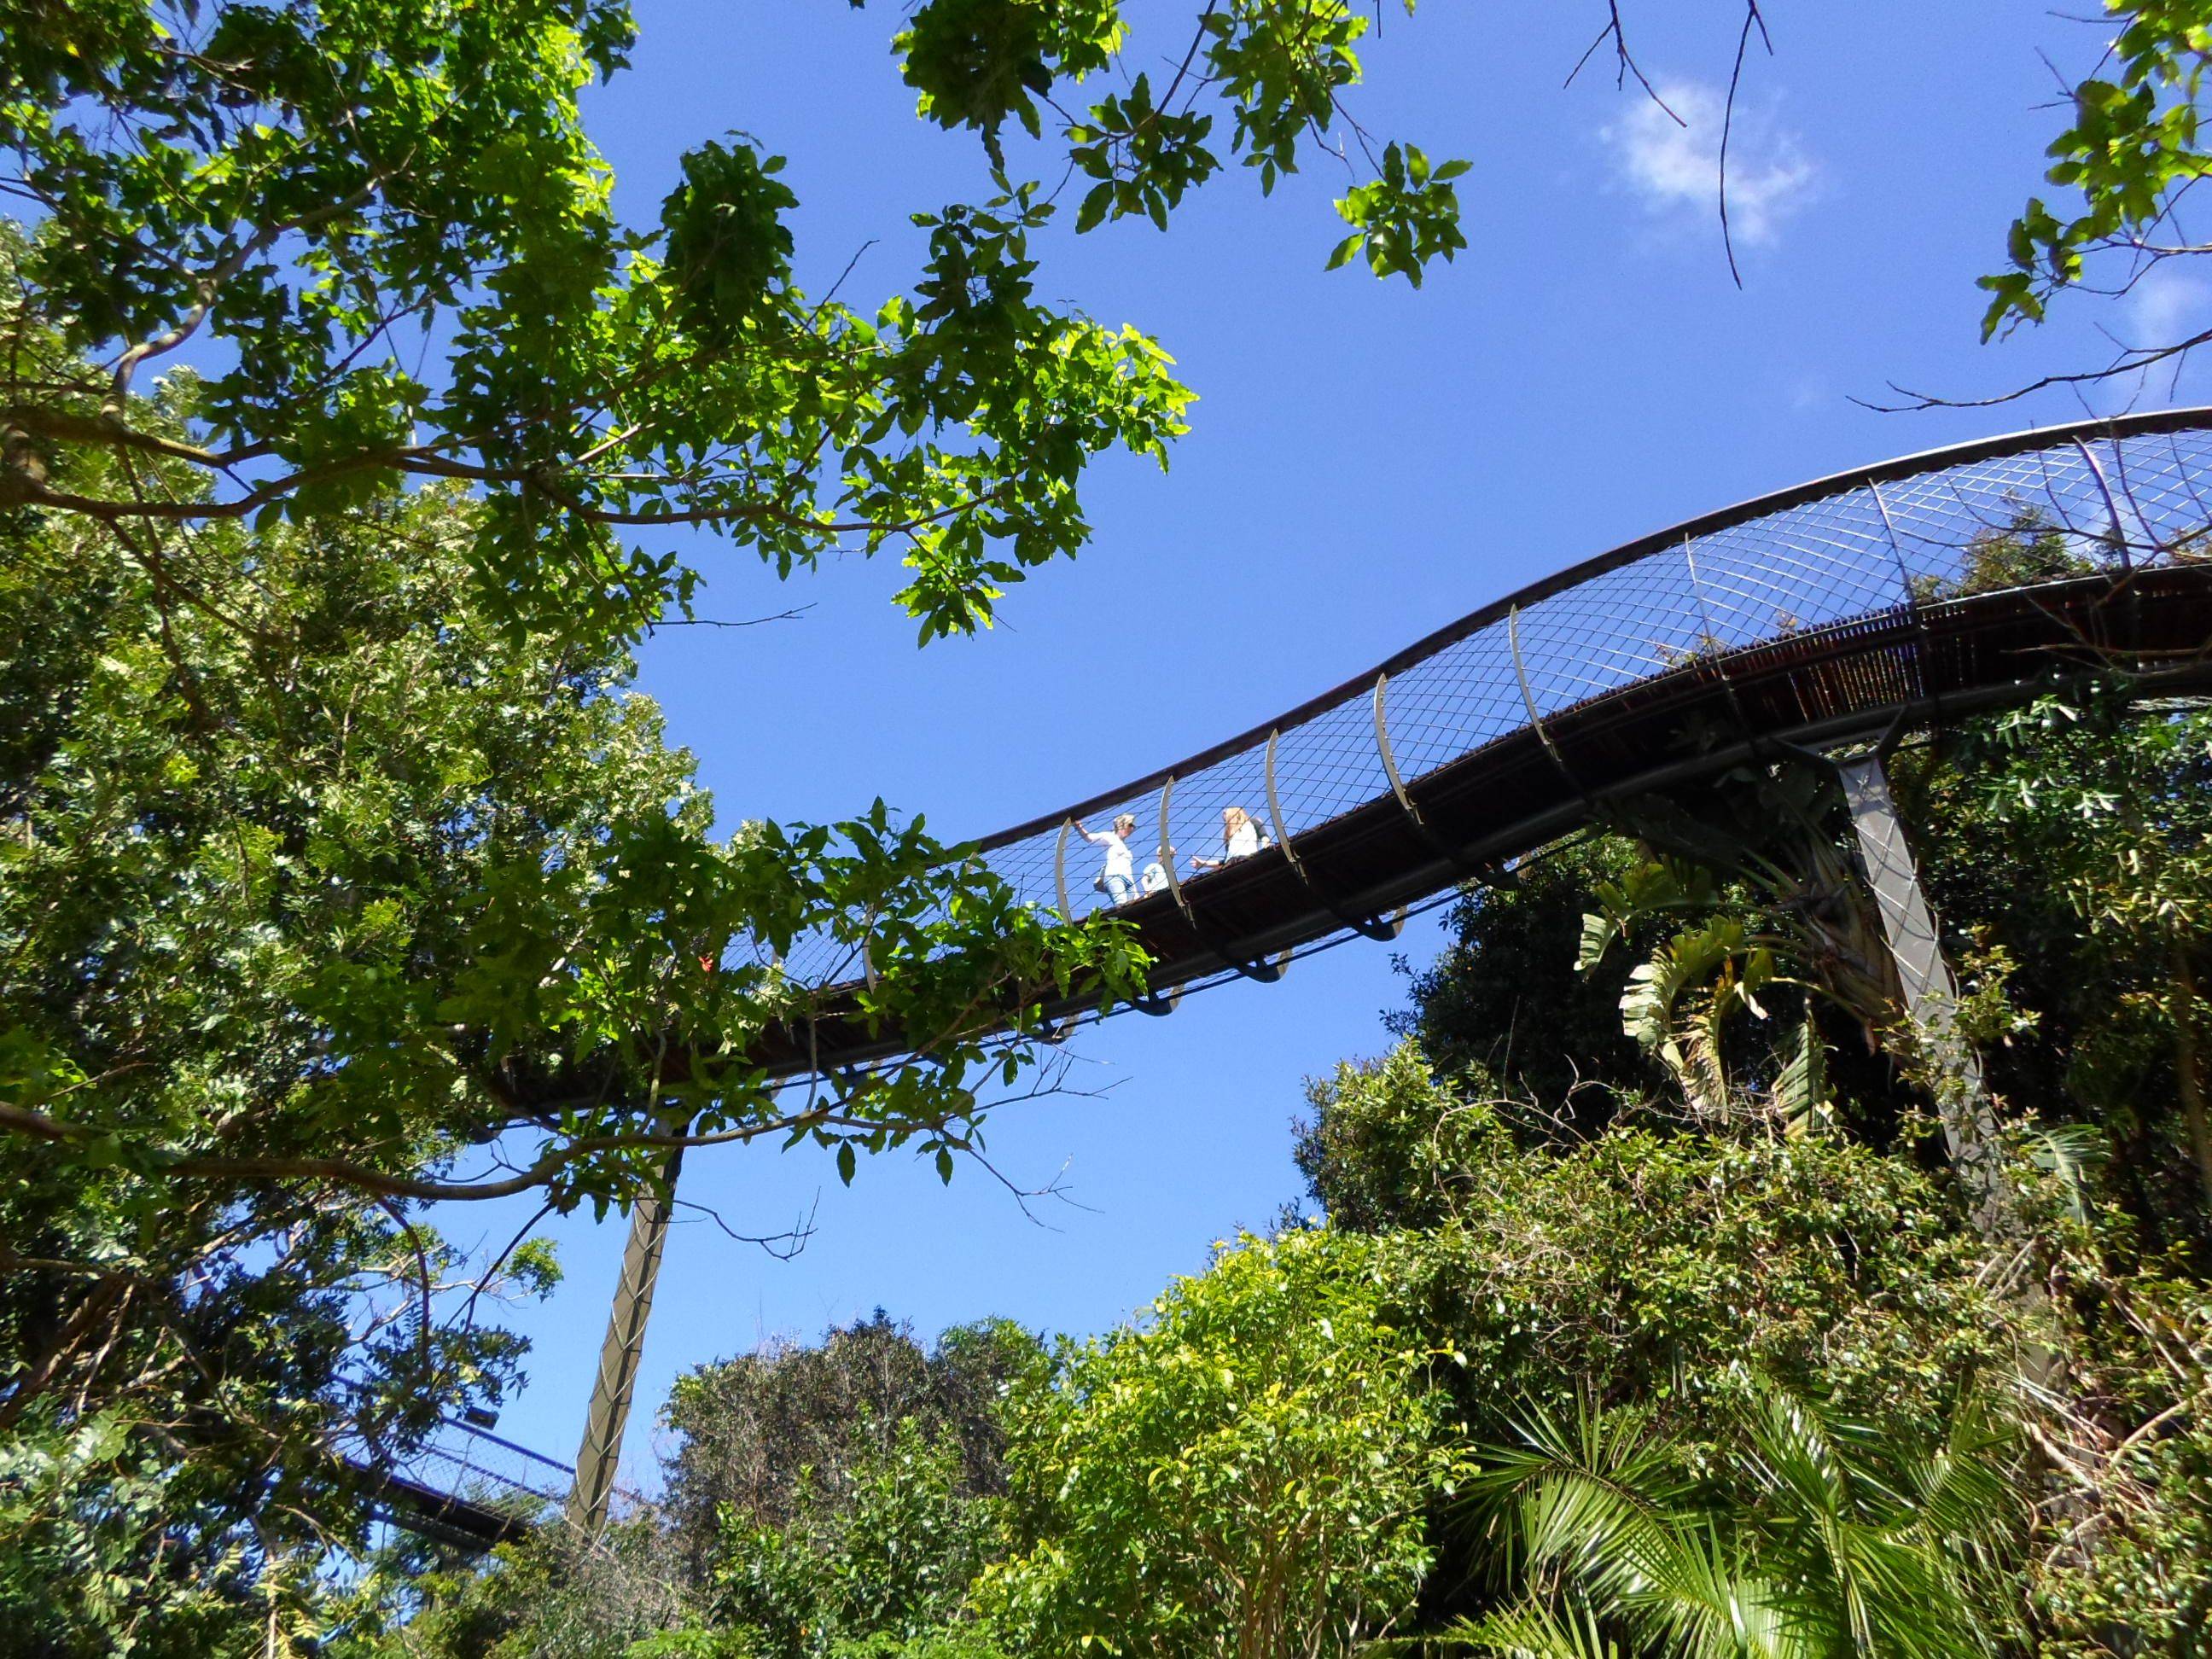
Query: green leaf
{"x": 1096, "y": 201}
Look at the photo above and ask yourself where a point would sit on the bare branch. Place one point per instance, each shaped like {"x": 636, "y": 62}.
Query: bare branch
{"x": 2132, "y": 361}
{"x": 791, "y": 614}
{"x": 783, "y": 1246}
{"x": 1751, "y": 16}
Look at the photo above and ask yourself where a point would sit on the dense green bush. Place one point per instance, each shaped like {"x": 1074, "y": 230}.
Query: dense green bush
{"x": 780, "y": 1435}
{"x": 1646, "y": 1263}
{"x": 1245, "y": 1472}
{"x": 887, "y": 1556}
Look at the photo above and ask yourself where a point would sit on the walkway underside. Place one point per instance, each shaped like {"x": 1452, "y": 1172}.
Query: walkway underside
{"x": 1908, "y": 592}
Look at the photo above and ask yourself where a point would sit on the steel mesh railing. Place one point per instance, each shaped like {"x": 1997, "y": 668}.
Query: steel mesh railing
{"x": 1872, "y": 544}
{"x": 463, "y": 1460}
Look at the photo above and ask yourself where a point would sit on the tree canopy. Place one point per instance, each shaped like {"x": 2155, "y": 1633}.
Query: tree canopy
{"x": 317, "y": 194}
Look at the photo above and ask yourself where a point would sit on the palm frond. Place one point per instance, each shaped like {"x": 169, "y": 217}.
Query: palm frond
{"x": 1533, "y": 1630}
{"x": 2067, "y": 1151}
{"x": 1817, "y": 1535}
{"x": 1800, "y": 1089}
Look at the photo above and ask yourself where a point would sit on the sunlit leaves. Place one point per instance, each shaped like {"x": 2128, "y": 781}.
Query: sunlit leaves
{"x": 2134, "y": 145}
{"x": 728, "y": 242}
{"x": 977, "y": 62}
{"x": 1404, "y": 218}
{"x": 1144, "y": 157}
{"x": 2092, "y": 864}
{"x": 1253, "y": 1457}
{"x": 1278, "y": 70}
{"x": 322, "y": 193}
{"x": 1806, "y": 1533}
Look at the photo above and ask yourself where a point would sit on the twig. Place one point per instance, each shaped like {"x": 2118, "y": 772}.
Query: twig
{"x": 1751, "y": 15}
{"x": 791, "y": 614}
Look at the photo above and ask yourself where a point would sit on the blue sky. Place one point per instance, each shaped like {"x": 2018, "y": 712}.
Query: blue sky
{"x": 1367, "y": 462}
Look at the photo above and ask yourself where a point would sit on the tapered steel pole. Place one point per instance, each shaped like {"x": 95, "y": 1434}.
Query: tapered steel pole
{"x": 599, "y": 1456}
{"x": 1931, "y": 996}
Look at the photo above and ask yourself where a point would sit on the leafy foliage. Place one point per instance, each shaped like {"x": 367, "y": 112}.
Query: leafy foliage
{"x": 1732, "y": 901}
{"x": 340, "y": 869}
{"x": 1643, "y": 1262}
{"x": 886, "y": 1554}
{"x": 317, "y": 878}
{"x": 1243, "y": 1474}
{"x": 2058, "y": 842}
{"x": 85, "y": 1511}
{"x": 317, "y": 190}
{"x": 553, "y": 1595}
{"x": 1504, "y": 1002}
{"x": 2077, "y": 837}
{"x": 2029, "y": 549}
{"x": 2134, "y": 145}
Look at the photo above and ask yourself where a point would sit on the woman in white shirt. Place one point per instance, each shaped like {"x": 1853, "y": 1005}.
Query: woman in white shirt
{"x": 1118, "y": 879}
{"x": 1240, "y": 839}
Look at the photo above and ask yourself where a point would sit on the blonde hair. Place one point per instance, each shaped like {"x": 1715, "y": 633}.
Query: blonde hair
{"x": 1120, "y": 819}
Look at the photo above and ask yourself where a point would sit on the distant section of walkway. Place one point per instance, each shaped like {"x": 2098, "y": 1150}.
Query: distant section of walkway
{"x": 1914, "y": 590}
{"x": 466, "y": 1486}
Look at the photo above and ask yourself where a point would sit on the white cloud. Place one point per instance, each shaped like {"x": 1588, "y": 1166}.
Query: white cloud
{"x": 2165, "y": 306}
{"x": 1675, "y": 166}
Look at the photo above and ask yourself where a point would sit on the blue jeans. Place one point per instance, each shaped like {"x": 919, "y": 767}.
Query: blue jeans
{"x": 1120, "y": 889}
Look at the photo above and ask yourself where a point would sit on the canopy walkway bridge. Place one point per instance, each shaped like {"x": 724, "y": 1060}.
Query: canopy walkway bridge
{"x": 1897, "y": 594}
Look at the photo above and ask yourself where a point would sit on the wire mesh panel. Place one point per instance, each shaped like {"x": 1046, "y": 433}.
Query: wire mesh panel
{"x": 1455, "y": 701}
{"x": 465, "y": 1461}
{"x": 1956, "y": 526}
{"x": 1828, "y": 562}
{"x": 1195, "y": 816}
{"x": 475, "y": 1481}
{"x": 2160, "y": 480}
{"x": 1029, "y": 867}
{"x": 1619, "y": 627}
{"x": 1328, "y": 764}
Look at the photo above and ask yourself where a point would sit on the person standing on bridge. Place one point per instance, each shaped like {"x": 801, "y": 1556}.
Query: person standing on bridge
{"x": 1118, "y": 879}
{"x": 1240, "y": 839}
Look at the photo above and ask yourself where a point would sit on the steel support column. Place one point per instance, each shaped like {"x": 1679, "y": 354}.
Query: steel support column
{"x": 597, "y": 1458}
{"x": 1931, "y": 995}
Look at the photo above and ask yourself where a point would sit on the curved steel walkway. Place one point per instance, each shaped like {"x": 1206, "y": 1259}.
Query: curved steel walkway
{"x": 1809, "y": 617}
